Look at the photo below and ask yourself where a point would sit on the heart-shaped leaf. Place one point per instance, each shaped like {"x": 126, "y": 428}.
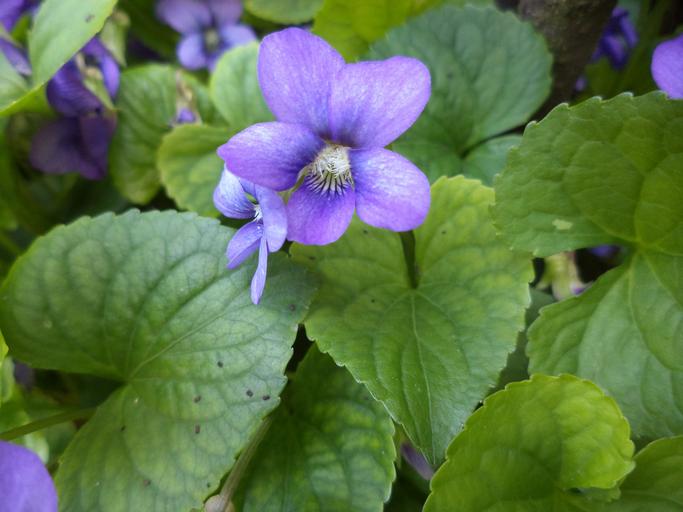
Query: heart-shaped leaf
{"x": 531, "y": 446}
{"x": 490, "y": 72}
{"x": 605, "y": 172}
{"x": 429, "y": 352}
{"x": 330, "y": 447}
{"x": 145, "y": 299}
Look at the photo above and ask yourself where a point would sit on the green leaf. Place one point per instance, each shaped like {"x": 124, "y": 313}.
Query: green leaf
{"x": 430, "y": 352}
{"x": 12, "y": 84}
{"x": 330, "y": 447}
{"x": 146, "y": 299}
{"x": 235, "y": 90}
{"x": 50, "y": 46}
{"x": 657, "y": 482}
{"x": 488, "y": 159}
{"x": 285, "y": 12}
{"x": 597, "y": 173}
{"x": 352, "y": 25}
{"x": 531, "y": 445}
{"x": 490, "y": 72}
{"x": 148, "y": 98}
{"x": 3, "y": 381}
{"x": 190, "y": 168}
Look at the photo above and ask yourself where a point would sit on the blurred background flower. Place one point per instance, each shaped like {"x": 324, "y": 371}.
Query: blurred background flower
{"x": 208, "y": 28}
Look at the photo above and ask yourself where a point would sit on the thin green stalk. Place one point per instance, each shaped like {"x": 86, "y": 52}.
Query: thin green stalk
{"x": 408, "y": 241}
{"x": 42, "y": 423}
{"x": 221, "y": 502}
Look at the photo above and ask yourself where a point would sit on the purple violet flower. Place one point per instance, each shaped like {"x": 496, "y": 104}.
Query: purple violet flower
{"x": 333, "y": 121}
{"x": 78, "y": 141}
{"x": 617, "y": 40}
{"x": 266, "y": 231}
{"x": 667, "y": 67}
{"x": 25, "y": 484}
{"x": 12, "y": 10}
{"x": 15, "y": 56}
{"x": 208, "y": 28}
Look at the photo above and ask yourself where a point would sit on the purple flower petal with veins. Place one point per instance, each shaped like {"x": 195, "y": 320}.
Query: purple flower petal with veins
{"x": 667, "y": 67}
{"x": 25, "y": 484}
{"x": 266, "y": 232}
{"x": 333, "y": 120}
{"x": 208, "y": 28}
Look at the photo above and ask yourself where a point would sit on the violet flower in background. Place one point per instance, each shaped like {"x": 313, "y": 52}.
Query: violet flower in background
{"x": 79, "y": 140}
{"x": 12, "y": 10}
{"x": 333, "y": 121}
{"x": 25, "y": 484}
{"x": 618, "y": 39}
{"x": 15, "y": 56}
{"x": 208, "y": 28}
{"x": 266, "y": 232}
{"x": 667, "y": 67}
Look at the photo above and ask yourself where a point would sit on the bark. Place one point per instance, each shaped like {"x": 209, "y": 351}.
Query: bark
{"x": 572, "y": 29}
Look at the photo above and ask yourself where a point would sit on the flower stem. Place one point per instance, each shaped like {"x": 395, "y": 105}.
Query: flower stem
{"x": 42, "y": 423}
{"x": 221, "y": 502}
{"x": 408, "y": 241}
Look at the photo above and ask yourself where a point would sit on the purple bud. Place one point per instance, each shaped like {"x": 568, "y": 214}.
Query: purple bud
{"x": 417, "y": 461}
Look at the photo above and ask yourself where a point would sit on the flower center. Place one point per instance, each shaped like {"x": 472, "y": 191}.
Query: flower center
{"x": 330, "y": 171}
{"x": 212, "y": 40}
{"x": 258, "y": 214}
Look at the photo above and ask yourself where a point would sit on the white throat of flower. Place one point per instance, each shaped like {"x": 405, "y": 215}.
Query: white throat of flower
{"x": 330, "y": 172}
{"x": 258, "y": 213}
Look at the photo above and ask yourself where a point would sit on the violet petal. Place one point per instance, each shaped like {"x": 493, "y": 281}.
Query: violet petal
{"x": 667, "y": 67}
{"x": 107, "y": 63}
{"x": 185, "y": 16}
{"x": 258, "y": 282}
{"x": 319, "y": 218}
{"x": 96, "y": 134}
{"x": 67, "y": 93}
{"x": 244, "y": 243}
{"x": 16, "y": 57}
{"x": 225, "y": 12}
{"x": 235, "y": 35}
{"x": 372, "y": 103}
{"x": 391, "y": 192}
{"x": 274, "y": 217}
{"x": 10, "y": 12}
{"x": 191, "y": 52}
{"x": 295, "y": 71}
{"x": 25, "y": 484}
{"x": 57, "y": 148}
{"x": 229, "y": 198}
{"x": 271, "y": 154}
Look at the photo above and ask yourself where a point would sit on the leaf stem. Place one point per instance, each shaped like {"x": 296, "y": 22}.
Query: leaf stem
{"x": 408, "y": 241}
{"x": 221, "y": 502}
{"x": 42, "y": 423}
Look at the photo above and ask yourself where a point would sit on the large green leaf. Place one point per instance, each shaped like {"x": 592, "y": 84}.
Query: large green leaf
{"x": 429, "y": 352}
{"x": 3, "y": 383}
{"x": 50, "y": 46}
{"x": 235, "y": 90}
{"x": 530, "y": 446}
{"x": 488, "y": 159}
{"x": 608, "y": 172}
{"x": 146, "y": 299}
{"x": 148, "y": 100}
{"x": 190, "y": 168}
{"x": 490, "y": 72}
{"x": 284, "y": 11}
{"x": 352, "y": 25}
{"x": 657, "y": 482}
{"x": 329, "y": 448}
